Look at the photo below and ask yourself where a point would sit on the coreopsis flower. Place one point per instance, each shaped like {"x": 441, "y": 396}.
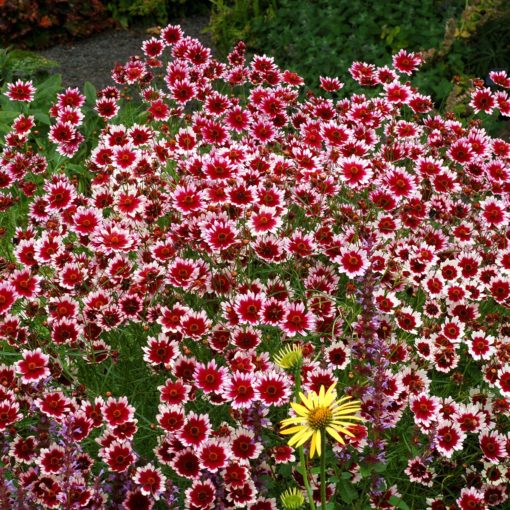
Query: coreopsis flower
{"x": 210, "y": 378}
{"x": 186, "y": 464}
{"x": 9, "y": 413}
{"x": 272, "y": 387}
{"x": 214, "y": 454}
{"x": 21, "y": 91}
{"x": 51, "y": 460}
{"x": 34, "y": 366}
{"x": 244, "y": 446}
{"x": 151, "y": 480}
{"x": 118, "y": 411}
{"x": 239, "y": 389}
{"x": 418, "y": 472}
{"x": 292, "y": 499}
{"x": 449, "y": 438}
{"x": 196, "y": 429}
{"x": 471, "y": 499}
{"x": 318, "y": 414}
{"x": 137, "y": 500}
{"x": 119, "y": 455}
{"x": 23, "y": 449}
{"x": 200, "y": 495}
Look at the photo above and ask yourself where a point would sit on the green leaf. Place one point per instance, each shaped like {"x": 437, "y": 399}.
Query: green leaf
{"x": 90, "y": 92}
{"x": 41, "y": 117}
{"x": 7, "y": 115}
{"x": 399, "y": 503}
{"x": 347, "y": 491}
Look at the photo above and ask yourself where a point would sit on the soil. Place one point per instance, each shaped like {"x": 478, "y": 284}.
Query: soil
{"x": 93, "y": 59}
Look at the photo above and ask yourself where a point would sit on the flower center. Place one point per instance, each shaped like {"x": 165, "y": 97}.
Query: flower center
{"x": 320, "y": 418}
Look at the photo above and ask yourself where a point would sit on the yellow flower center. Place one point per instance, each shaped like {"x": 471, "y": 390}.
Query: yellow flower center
{"x": 320, "y": 418}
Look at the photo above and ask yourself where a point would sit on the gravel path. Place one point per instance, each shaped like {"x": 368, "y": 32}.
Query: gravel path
{"x": 93, "y": 59}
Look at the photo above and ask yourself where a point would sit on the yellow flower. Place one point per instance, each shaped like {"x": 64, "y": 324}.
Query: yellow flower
{"x": 321, "y": 413}
{"x": 289, "y": 356}
{"x": 292, "y": 499}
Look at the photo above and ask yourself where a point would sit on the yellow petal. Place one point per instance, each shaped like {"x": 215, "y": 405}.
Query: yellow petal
{"x": 304, "y": 438}
{"x": 305, "y": 400}
{"x": 343, "y": 430}
{"x": 334, "y": 434}
{"x": 296, "y": 419}
{"x": 293, "y": 430}
{"x": 322, "y": 391}
{"x": 312, "y": 447}
{"x": 301, "y": 410}
{"x": 318, "y": 442}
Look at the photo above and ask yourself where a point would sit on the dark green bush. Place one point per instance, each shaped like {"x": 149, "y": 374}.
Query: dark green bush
{"x": 323, "y": 37}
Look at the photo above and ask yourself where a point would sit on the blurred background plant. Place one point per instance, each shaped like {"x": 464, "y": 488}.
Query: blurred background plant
{"x": 15, "y": 63}
{"x": 462, "y": 38}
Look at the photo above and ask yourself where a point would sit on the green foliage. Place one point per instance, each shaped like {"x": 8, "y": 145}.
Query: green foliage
{"x": 324, "y": 37}
{"x": 232, "y": 21}
{"x": 128, "y": 12}
{"x": 23, "y": 64}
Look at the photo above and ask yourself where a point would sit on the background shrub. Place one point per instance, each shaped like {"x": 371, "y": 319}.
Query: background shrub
{"x": 323, "y": 37}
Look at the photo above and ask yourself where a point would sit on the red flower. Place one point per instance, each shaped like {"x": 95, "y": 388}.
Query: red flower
{"x": 174, "y": 393}
{"x": 136, "y": 500}
{"x": 273, "y": 388}
{"x": 406, "y": 62}
{"x": 503, "y": 381}
{"x": 283, "y": 454}
{"x": 213, "y": 454}
{"x": 151, "y": 480}
{"x": 210, "y": 378}
{"x": 170, "y": 418}
{"x": 196, "y": 429}
{"x": 492, "y": 445}
{"x": 471, "y": 499}
{"x": 51, "y": 459}
{"x": 23, "y": 449}
{"x": 352, "y": 262}
{"x": 449, "y": 438}
{"x": 160, "y": 350}
{"x": 9, "y": 413}
{"x": 34, "y": 366}
{"x": 235, "y": 475}
{"x": 186, "y": 464}
{"x": 25, "y": 284}
{"x": 239, "y": 390}
{"x": 248, "y": 307}
{"x": 7, "y": 296}
{"x": 425, "y": 408}
{"x": 195, "y": 324}
{"x": 21, "y": 91}
{"x": 201, "y": 495}
{"x": 118, "y": 411}
{"x": 118, "y": 456}
{"x": 55, "y": 404}
{"x": 243, "y": 445}
{"x": 297, "y": 320}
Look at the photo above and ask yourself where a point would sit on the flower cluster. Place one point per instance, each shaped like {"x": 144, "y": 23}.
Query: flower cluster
{"x": 231, "y": 217}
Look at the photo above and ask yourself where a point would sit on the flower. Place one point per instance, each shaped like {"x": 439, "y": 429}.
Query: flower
{"x": 289, "y": 356}
{"x": 320, "y": 413}
{"x": 292, "y": 499}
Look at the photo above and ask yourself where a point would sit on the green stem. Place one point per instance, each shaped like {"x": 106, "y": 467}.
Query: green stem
{"x": 301, "y": 451}
{"x": 323, "y": 470}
